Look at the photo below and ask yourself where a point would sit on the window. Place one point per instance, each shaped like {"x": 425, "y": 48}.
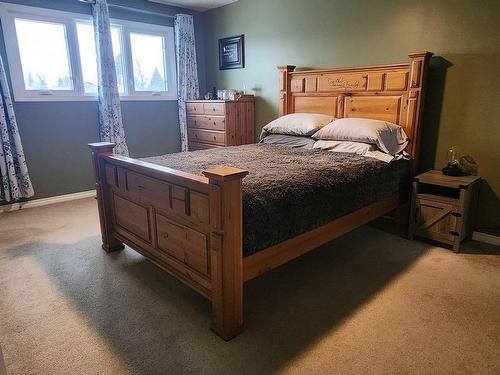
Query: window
{"x": 148, "y": 57}
{"x": 88, "y": 59}
{"x": 44, "y": 55}
{"x": 52, "y": 56}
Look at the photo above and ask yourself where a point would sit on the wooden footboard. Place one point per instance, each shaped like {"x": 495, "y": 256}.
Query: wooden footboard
{"x": 189, "y": 225}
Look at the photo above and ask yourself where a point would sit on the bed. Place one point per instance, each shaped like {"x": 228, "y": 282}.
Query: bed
{"x": 217, "y": 218}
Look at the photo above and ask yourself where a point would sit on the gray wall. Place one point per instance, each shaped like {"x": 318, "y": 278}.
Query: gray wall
{"x": 463, "y": 100}
{"x": 55, "y": 134}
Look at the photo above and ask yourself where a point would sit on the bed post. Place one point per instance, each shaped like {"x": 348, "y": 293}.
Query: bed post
{"x": 285, "y": 105}
{"x": 109, "y": 242}
{"x": 226, "y": 250}
{"x": 419, "y": 63}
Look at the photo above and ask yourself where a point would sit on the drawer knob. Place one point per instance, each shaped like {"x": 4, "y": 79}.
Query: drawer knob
{"x": 215, "y": 138}
{"x": 213, "y": 109}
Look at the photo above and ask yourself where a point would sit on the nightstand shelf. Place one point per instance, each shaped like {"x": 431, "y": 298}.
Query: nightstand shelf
{"x": 443, "y": 207}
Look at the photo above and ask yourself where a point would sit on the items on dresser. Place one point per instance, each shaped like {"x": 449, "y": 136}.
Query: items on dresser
{"x": 215, "y": 94}
{"x": 217, "y": 123}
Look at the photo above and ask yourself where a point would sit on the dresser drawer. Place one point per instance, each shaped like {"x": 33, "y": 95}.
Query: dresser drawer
{"x": 214, "y": 108}
{"x": 207, "y": 122}
{"x": 194, "y": 108}
{"x": 194, "y": 146}
{"x": 206, "y": 136}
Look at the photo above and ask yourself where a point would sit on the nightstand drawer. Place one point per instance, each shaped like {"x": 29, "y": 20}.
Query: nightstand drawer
{"x": 214, "y": 109}
{"x": 454, "y": 202}
{"x": 206, "y": 136}
{"x": 207, "y": 122}
{"x": 194, "y": 108}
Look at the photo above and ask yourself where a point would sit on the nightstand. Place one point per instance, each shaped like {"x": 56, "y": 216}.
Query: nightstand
{"x": 443, "y": 208}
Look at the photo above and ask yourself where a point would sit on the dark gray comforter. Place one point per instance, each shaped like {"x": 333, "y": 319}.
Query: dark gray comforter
{"x": 293, "y": 190}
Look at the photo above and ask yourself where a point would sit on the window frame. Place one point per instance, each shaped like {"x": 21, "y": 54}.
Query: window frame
{"x": 170, "y": 65}
{"x": 8, "y": 14}
{"x": 81, "y": 82}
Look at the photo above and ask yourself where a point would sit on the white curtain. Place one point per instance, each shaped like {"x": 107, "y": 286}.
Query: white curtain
{"x": 187, "y": 72}
{"x": 110, "y": 114}
{"x": 15, "y": 181}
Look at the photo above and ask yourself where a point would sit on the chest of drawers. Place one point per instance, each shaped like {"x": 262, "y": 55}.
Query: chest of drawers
{"x": 218, "y": 123}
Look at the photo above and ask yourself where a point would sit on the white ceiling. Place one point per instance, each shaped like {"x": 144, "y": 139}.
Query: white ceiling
{"x": 199, "y": 5}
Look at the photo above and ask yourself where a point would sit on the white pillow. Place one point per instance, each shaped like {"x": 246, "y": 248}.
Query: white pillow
{"x": 389, "y": 137}
{"x": 297, "y": 124}
{"x": 345, "y": 146}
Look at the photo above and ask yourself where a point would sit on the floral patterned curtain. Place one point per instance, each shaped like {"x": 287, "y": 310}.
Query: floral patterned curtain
{"x": 15, "y": 181}
{"x": 110, "y": 114}
{"x": 187, "y": 72}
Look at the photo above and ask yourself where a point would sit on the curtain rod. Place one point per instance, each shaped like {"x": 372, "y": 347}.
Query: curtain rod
{"x": 132, "y": 9}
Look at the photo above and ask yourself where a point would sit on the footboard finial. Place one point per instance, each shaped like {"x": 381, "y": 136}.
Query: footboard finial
{"x": 224, "y": 173}
{"x": 102, "y": 147}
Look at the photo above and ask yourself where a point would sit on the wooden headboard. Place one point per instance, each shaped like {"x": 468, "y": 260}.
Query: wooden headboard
{"x": 393, "y": 93}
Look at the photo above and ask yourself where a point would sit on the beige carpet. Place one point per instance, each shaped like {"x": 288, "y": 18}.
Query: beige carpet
{"x": 368, "y": 303}
{"x": 2, "y": 365}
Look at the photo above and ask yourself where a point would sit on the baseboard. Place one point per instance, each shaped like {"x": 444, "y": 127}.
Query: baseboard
{"x": 46, "y": 201}
{"x": 486, "y": 238}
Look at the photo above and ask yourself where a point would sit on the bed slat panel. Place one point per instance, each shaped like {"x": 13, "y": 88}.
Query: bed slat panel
{"x": 385, "y": 108}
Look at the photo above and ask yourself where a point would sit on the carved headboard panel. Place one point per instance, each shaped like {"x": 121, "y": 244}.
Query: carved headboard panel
{"x": 393, "y": 93}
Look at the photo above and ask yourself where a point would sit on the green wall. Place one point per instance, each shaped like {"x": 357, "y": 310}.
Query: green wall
{"x": 55, "y": 134}
{"x": 463, "y": 106}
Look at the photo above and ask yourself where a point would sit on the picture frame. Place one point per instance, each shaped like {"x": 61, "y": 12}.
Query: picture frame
{"x": 231, "y": 52}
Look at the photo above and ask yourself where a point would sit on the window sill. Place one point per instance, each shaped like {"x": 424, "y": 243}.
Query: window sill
{"x": 125, "y": 98}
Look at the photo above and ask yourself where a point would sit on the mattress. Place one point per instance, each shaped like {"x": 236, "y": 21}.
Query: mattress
{"x": 289, "y": 191}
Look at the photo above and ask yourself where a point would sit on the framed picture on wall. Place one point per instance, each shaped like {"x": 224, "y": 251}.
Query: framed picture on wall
{"x": 231, "y": 53}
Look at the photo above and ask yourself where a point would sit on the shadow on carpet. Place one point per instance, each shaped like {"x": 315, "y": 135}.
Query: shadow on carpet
{"x": 155, "y": 324}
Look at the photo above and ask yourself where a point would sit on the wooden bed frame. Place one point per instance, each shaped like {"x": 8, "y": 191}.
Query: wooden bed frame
{"x": 191, "y": 226}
